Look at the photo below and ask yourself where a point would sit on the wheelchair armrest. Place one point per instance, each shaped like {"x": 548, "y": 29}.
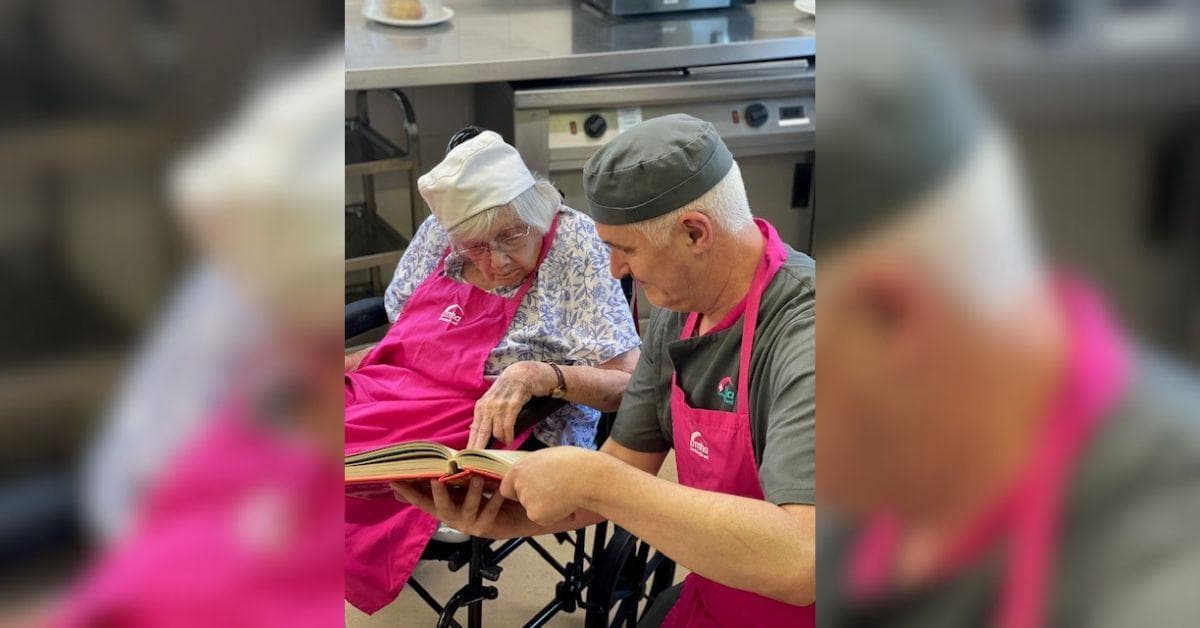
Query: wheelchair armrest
{"x": 41, "y": 518}
{"x": 533, "y": 412}
{"x": 364, "y": 315}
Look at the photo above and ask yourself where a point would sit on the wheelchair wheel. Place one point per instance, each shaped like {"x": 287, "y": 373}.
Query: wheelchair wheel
{"x": 626, "y": 579}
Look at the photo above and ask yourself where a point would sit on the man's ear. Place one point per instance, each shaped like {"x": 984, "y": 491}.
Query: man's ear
{"x": 898, "y": 304}
{"x": 699, "y": 230}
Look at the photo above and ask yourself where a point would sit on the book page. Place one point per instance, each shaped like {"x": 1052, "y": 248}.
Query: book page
{"x": 422, "y": 460}
{"x": 402, "y": 451}
{"x": 494, "y": 461}
{"x": 424, "y": 468}
{"x": 404, "y": 461}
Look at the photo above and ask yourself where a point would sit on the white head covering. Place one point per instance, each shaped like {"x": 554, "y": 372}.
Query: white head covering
{"x": 479, "y": 174}
{"x": 269, "y": 190}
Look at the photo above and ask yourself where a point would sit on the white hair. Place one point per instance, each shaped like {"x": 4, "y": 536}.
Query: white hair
{"x": 973, "y": 231}
{"x": 726, "y": 204}
{"x": 535, "y": 207}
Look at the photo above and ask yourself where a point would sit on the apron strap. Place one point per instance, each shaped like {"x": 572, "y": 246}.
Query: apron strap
{"x": 773, "y": 257}
{"x": 1097, "y": 371}
{"x": 1029, "y": 516}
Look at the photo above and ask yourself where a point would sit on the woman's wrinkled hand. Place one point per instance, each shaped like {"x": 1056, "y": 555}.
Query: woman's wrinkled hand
{"x": 496, "y": 412}
{"x": 470, "y": 511}
{"x": 356, "y": 358}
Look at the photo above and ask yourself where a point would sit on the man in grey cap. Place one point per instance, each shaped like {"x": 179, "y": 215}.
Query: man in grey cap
{"x": 726, "y": 378}
{"x": 993, "y": 450}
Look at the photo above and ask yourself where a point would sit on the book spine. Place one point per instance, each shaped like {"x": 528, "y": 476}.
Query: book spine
{"x": 451, "y": 478}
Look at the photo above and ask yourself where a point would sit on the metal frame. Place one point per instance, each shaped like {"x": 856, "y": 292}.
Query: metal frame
{"x": 618, "y": 574}
{"x": 626, "y": 567}
{"x": 409, "y": 160}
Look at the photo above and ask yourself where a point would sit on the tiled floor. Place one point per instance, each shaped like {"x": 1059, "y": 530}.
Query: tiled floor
{"x": 525, "y": 586}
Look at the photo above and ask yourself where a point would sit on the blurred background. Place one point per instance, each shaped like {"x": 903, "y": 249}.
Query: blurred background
{"x": 1102, "y": 101}
{"x": 928, "y": 472}
{"x": 99, "y": 269}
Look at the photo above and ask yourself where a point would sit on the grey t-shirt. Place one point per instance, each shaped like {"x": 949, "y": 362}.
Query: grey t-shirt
{"x": 1129, "y": 552}
{"x": 782, "y": 382}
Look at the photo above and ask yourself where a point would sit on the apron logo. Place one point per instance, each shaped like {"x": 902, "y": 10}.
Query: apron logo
{"x": 727, "y": 392}
{"x": 452, "y": 314}
{"x": 698, "y": 446}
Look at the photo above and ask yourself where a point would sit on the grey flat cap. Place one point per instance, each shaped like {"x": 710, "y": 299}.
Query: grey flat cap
{"x": 897, "y": 117}
{"x": 653, "y": 168}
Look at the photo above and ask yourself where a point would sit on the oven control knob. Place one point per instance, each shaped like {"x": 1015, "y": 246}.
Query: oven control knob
{"x": 757, "y": 114}
{"x": 595, "y": 126}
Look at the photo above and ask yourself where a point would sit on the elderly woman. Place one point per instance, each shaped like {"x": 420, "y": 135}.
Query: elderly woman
{"x": 503, "y": 295}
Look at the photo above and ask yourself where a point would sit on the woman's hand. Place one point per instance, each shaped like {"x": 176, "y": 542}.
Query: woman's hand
{"x": 469, "y": 512}
{"x": 496, "y": 412}
{"x": 356, "y": 358}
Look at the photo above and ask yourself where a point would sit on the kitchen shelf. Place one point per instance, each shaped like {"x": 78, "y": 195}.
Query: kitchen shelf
{"x": 370, "y": 240}
{"x": 368, "y": 152}
{"x": 371, "y": 243}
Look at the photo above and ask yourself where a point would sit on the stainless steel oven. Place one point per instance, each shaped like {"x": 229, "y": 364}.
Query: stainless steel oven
{"x": 763, "y": 111}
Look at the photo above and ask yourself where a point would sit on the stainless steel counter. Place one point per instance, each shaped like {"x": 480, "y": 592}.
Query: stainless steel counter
{"x": 506, "y": 40}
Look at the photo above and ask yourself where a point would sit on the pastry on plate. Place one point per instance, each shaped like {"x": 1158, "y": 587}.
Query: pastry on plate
{"x": 405, "y": 9}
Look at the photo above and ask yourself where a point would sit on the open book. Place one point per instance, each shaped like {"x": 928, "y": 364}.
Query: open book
{"x": 368, "y": 473}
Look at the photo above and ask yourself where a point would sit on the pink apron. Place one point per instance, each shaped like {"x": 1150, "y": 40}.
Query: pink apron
{"x": 714, "y": 452}
{"x": 420, "y": 383}
{"x": 1029, "y": 515}
{"x": 238, "y": 534}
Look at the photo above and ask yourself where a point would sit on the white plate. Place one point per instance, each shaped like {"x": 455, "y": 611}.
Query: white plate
{"x": 370, "y": 12}
{"x": 806, "y": 6}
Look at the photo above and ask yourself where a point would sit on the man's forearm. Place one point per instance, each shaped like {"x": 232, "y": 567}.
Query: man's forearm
{"x": 525, "y": 527}
{"x": 739, "y": 542}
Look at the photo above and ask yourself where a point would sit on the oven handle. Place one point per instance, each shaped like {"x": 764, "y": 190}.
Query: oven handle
{"x": 693, "y": 88}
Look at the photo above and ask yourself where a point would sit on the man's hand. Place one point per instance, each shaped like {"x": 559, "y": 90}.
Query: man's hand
{"x": 468, "y": 511}
{"x": 552, "y": 483}
{"x": 496, "y": 412}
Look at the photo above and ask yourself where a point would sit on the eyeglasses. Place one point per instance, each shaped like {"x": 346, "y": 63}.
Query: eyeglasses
{"x": 507, "y": 242}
